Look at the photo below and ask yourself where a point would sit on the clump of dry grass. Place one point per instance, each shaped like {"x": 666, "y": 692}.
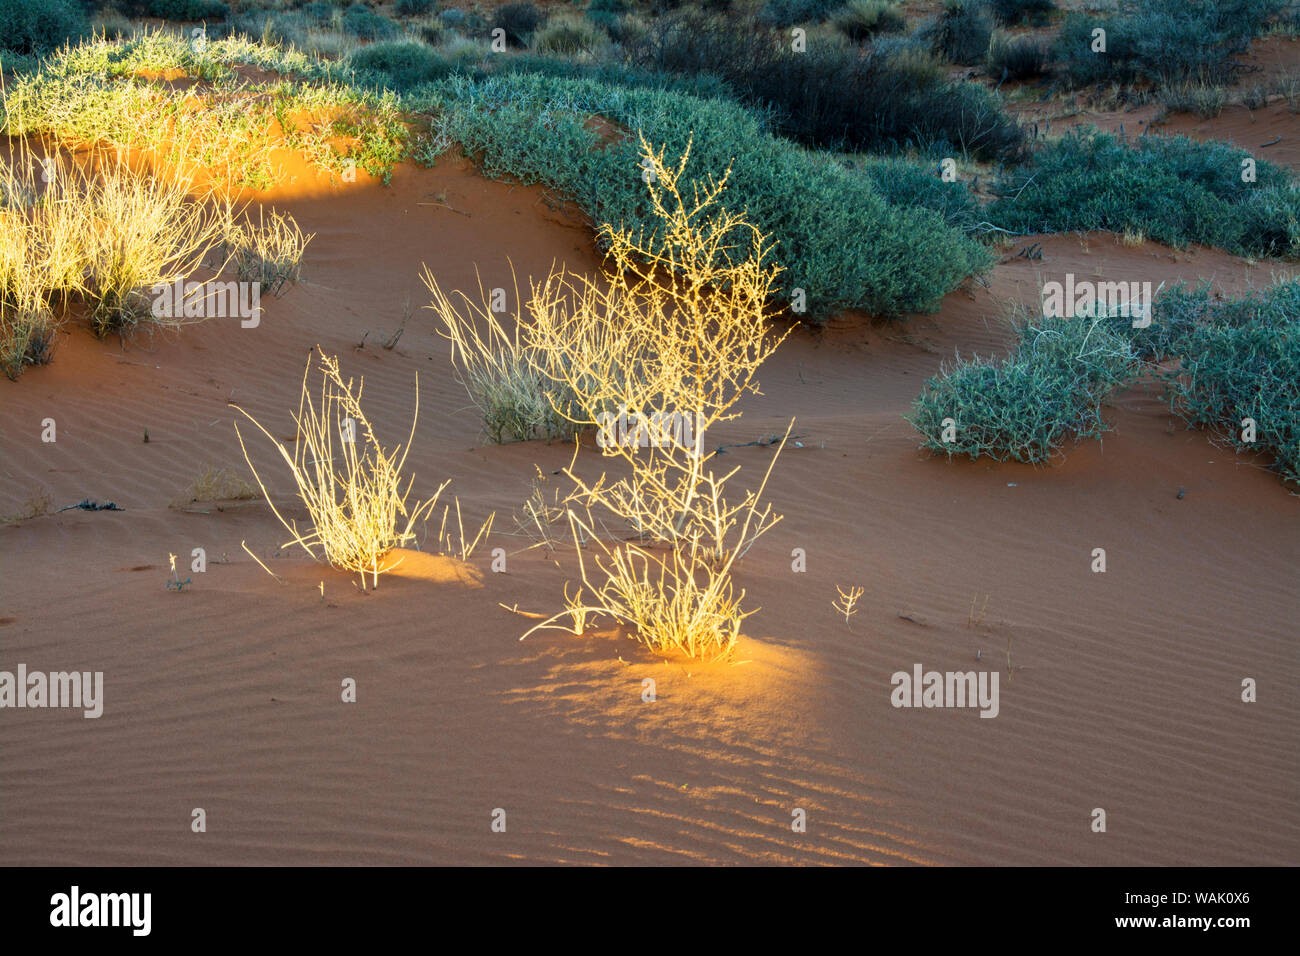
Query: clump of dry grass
{"x": 101, "y": 232}
{"x": 39, "y": 256}
{"x": 37, "y": 504}
{"x": 214, "y": 483}
{"x": 515, "y": 387}
{"x": 352, "y": 488}
{"x": 270, "y": 252}
{"x": 140, "y": 232}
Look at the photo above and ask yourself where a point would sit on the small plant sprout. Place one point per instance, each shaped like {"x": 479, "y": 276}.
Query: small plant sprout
{"x": 352, "y": 489}
{"x": 848, "y": 601}
{"x": 174, "y": 581}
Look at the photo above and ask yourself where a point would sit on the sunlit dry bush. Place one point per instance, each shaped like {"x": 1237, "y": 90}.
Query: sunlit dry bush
{"x": 350, "y": 484}
{"x": 678, "y": 324}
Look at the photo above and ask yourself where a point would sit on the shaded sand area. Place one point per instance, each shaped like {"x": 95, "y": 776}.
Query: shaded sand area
{"x": 1118, "y": 690}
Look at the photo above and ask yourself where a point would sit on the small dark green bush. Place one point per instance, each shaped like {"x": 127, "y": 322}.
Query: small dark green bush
{"x": 1009, "y": 12}
{"x": 838, "y": 98}
{"x": 1175, "y": 190}
{"x": 185, "y": 10}
{"x": 1016, "y": 58}
{"x": 567, "y": 36}
{"x": 788, "y": 13}
{"x": 961, "y": 33}
{"x": 519, "y": 20}
{"x": 361, "y": 21}
{"x": 614, "y": 8}
{"x": 414, "y": 8}
{"x": 1028, "y": 406}
{"x": 863, "y": 19}
{"x": 401, "y": 64}
{"x": 39, "y": 26}
{"x": 906, "y": 183}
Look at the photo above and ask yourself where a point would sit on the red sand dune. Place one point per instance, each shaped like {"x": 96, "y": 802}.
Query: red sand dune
{"x": 1123, "y": 692}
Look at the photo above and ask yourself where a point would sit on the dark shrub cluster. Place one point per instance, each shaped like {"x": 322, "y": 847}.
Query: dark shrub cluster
{"x": 1173, "y": 189}
{"x": 519, "y": 20}
{"x": 401, "y": 64}
{"x": 961, "y": 32}
{"x": 1016, "y": 58}
{"x": 841, "y": 98}
{"x": 861, "y": 20}
{"x": 184, "y": 10}
{"x": 39, "y": 26}
{"x": 1162, "y": 41}
{"x": 361, "y": 21}
{"x": 1009, "y": 12}
{"x": 788, "y": 13}
{"x": 414, "y": 8}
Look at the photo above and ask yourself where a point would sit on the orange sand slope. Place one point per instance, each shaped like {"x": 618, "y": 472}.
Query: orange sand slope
{"x": 1118, "y": 690}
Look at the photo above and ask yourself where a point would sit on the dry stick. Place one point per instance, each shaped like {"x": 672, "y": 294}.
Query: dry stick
{"x": 244, "y": 545}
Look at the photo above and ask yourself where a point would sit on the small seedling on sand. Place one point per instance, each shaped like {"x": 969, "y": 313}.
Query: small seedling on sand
{"x": 352, "y": 489}
{"x": 848, "y": 601}
{"x": 174, "y": 582}
{"x": 458, "y": 545}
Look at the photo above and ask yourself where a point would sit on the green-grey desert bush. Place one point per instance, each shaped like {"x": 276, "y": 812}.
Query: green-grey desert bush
{"x": 1174, "y": 189}
{"x": 360, "y": 21}
{"x": 1026, "y": 407}
{"x": 1015, "y": 58}
{"x": 519, "y": 20}
{"x": 788, "y": 13}
{"x": 188, "y": 10}
{"x": 905, "y": 182}
{"x": 1009, "y": 12}
{"x": 1162, "y": 41}
{"x": 414, "y": 8}
{"x": 568, "y": 36}
{"x": 40, "y": 26}
{"x": 402, "y": 64}
{"x": 838, "y": 239}
{"x": 840, "y": 98}
{"x": 863, "y": 19}
{"x": 961, "y": 32}
{"x": 1247, "y": 369}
